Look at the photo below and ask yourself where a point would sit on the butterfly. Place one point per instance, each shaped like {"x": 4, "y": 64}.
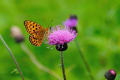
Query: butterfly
{"x": 37, "y": 32}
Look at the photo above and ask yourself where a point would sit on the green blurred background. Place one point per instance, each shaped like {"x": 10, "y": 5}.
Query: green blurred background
{"x": 99, "y": 37}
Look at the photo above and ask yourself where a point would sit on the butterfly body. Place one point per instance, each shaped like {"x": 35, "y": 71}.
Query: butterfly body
{"x": 37, "y": 32}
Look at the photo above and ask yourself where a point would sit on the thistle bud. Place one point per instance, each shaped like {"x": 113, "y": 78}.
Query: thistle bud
{"x": 110, "y": 75}
{"x": 16, "y": 34}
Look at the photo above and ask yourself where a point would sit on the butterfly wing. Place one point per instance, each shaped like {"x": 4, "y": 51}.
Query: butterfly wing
{"x": 34, "y": 39}
{"x": 32, "y": 27}
{"x": 37, "y": 38}
{"x": 36, "y": 32}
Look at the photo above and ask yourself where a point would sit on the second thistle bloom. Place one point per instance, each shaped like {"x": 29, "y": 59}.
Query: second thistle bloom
{"x": 71, "y": 22}
{"x": 60, "y": 37}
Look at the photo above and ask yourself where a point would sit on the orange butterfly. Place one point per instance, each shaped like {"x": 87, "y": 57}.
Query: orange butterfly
{"x": 37, "y": 32}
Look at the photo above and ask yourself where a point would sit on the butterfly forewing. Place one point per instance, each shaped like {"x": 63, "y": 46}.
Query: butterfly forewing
{"x": 32, "y": 27}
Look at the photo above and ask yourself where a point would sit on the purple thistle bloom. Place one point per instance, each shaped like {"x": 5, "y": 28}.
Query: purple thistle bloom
{"x": 71, "y": 22}
{"x": 61, "y": 36}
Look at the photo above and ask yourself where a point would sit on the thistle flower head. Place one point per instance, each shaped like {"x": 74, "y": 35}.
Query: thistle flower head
{"x": 60, "y": 36}
{"x": 71, "y": 22}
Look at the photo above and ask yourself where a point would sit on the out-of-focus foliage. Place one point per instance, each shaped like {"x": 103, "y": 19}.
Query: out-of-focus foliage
{"x": 99, "y": 37}
{"x": 118, "y": 77}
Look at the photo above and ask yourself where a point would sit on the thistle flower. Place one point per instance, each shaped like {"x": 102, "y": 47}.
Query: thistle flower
{"x": 60, "y": 37}
{"x": 110, "y": 75}
{"x": 71, "y": 22}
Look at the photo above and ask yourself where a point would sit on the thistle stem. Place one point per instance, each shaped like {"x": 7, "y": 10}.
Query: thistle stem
{"x": 13, "y": 57}
{"x": 84, "y": 60}
{"x": 62, "y": 64}
{"x": 37, "y": 63}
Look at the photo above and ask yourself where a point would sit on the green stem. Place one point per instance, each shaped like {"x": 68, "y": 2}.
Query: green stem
{"x": 13, "y": 57}
{"x": 84, "y": 60}
{"x": 62, "y": 63}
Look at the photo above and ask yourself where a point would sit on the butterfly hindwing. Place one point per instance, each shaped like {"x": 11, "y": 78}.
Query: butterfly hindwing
{"x": 34, "y": 39}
